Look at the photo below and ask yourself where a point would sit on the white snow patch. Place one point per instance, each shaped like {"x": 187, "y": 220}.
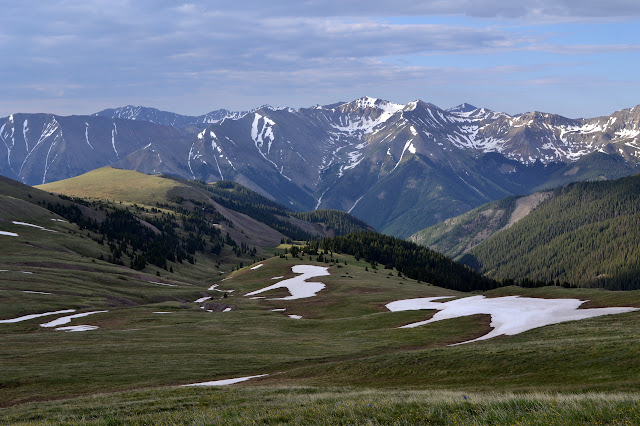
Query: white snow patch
{"x": 73, "y": 328}
{"x": 226, "y": 381}
{"x": 202, "y": 299}
{"x": 215, "y": 287}
{"x": 227, "y": 310}
{"x": 59, "y": 220}
{"x": 628, "y": 133}
{"x": 279, "y": 310}
{"x": 67, "y": 319}
{"x": 35, "y": 292}
{"x": 161, "y": 312}
{"x": 295, "y": 316}
{"x": 32, "y": 316}
{"x": 33, "y": 226}
{"x": 8, "y": 234}
{"x": 258, "y": 266}
{"x": 298, "y": 286}
{"x": 510, "y": 315}
{"x": 169, "y": 285}
{"x": 354, "y": 204}
{"x": 406, "y": 147}
{"x": 25, "y": 129}
{"x": 277, "y": 278}
{"x": 86, "y": 135}
{"x": 114, "y": 132}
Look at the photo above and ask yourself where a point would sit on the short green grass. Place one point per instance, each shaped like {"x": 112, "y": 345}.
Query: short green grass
{"x": 330, "y": 406}
{"x": 124, "y": 185}
{"x": 344, "y": 362}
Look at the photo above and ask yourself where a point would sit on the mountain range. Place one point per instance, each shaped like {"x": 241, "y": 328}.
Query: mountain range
{"x": 398, "y": 167}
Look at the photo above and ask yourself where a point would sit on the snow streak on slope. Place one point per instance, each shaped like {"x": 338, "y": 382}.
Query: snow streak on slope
{"x": 86, "y": 135}
{"x": 259, "y": 135}
{"x": 365, "y": 123}
{"x": 114, "y": 132}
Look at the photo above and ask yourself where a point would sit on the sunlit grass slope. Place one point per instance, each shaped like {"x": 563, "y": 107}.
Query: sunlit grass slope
{"x": 108, "y": 183}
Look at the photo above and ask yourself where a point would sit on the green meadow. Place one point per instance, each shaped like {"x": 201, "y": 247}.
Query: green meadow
{"x": 345, "y": 361}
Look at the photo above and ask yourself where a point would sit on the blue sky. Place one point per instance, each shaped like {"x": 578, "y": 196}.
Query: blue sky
{"x": 575, "y": 58}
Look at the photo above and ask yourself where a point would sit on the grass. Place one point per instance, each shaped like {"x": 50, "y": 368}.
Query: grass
{"x": 345, "y": 362}
{"x": 124, "y": 185}
{"x": 331, "y": 405}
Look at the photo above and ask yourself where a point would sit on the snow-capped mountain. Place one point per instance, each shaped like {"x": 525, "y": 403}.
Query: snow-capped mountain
{"x": 157, "y": 116}
{"x": 42, "y": 148}
{"x": 398, "y": 167}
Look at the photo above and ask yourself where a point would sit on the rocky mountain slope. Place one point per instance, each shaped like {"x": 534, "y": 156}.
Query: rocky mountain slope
{"x": 153, "y": 115}
{"x": 399, "y": 167}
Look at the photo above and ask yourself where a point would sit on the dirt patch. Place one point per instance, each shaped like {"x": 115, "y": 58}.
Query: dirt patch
{"x": 525, "y": 205}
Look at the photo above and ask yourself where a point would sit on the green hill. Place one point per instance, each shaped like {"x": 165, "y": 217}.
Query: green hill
{"x": 586, "y": 234}
{"x": 336, "y": 357}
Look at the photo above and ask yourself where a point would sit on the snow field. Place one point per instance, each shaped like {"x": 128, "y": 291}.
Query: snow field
{"x": 33, "y": 226}
{"x": 32, "y": 316}
{"x": 510, "y": 315}
{"x": 168, "y": 285}
{"x": 73, "y": 328}
{"x": 8, "y": 234}
{"x": 226, "y": 381}
{"x": 298, "y": 286}
{"x": 67, "y": 319}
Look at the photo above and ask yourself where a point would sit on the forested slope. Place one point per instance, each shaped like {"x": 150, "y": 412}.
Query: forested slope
{"x": 587, "y": 234}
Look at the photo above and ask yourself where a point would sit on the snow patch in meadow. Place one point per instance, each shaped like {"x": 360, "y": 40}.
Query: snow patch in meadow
{"x": 73, "y": 328}
{"x": 169, "y": 285}
{"x": 258, "y": 266}
{"x": 277, "y": 278}
{"x": 298, "y": 286}
{"x": 202, "y": 299}
{"x": 226, "y": 381}
{"x": 279, "y": 310}
{"x": 35, "y": 292}
{"x": 227, "y": 310}
{"x": 215, "y": 287}
{"x": 33, "y": 226}
{"x": 67, "y": 319}
{"x": 295, "y": 316}
{"x": 162, "y": 312}
{"x": 8, "y": 234}
{"x": 510, "y": 315}
{"x": 59, "y": 220}
{"x": 28, "y": 317}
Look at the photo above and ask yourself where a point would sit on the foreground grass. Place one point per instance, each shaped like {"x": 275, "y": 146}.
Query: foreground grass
{"x": 309, "y": 405}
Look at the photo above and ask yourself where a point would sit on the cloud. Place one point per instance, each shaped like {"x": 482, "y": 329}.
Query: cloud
{"x": 241, "y": 54}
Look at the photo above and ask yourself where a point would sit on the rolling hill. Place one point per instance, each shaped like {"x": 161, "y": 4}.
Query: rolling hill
{"x": 320, "y": 330}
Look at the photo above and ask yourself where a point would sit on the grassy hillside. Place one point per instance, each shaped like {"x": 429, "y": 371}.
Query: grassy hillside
{"x": 585, "y": 235}
{"x": 336, "y": 357}
{"x": 108, "y": 183}
{"x": 343, "y": 355}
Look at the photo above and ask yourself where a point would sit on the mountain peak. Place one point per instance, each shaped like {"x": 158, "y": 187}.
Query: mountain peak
{"x": 463, "y": 107}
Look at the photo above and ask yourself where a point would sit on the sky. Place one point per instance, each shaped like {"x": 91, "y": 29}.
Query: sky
{"x": 577, "y": 58}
